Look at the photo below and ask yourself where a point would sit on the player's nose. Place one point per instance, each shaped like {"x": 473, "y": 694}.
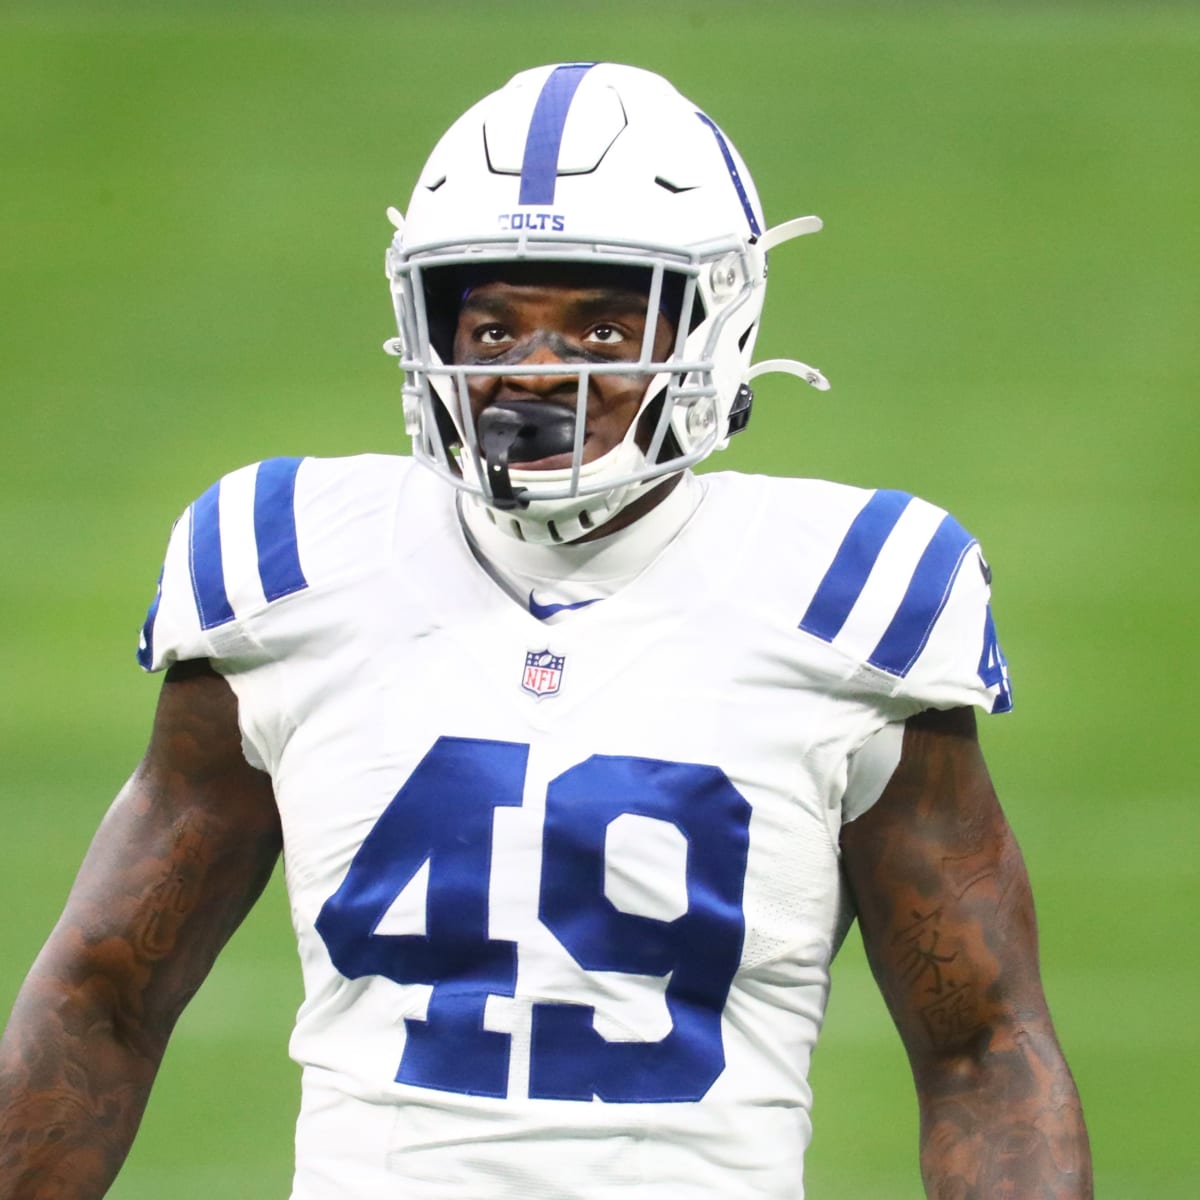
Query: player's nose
{"x": 547, "y": 351}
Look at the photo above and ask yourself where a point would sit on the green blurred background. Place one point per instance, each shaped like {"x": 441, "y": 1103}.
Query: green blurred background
{"x": 1006, "y": 298}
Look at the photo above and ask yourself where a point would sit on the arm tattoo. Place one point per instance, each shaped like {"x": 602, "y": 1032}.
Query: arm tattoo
{"x": 178, "y": 861}
{"x": 944, "y": 995}
{"x": 947, "y": 919}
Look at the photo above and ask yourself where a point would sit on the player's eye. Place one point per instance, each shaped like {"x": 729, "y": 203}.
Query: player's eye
{"x": 606, "y": 335}
{"x": 492, "y": 335}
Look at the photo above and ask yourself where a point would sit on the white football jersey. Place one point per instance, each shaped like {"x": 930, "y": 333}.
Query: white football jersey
{"x": 566, "y": 895}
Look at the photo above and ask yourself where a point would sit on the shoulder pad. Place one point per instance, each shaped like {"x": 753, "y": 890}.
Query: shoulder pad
{"x": 896, "y": 599}
{"x": 280, "y": 528}
{"x": 232, "y": 552}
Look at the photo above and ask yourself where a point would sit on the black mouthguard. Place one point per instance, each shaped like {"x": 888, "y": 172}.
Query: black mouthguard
{"x": 522, "y": 431}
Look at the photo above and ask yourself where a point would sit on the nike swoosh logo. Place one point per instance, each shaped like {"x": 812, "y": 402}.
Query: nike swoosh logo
{"x": 544, "y": 611}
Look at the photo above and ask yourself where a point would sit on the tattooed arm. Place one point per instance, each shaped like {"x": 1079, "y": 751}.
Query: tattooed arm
{"x": 177, "y": 863}
{"x": 947, "y": 919}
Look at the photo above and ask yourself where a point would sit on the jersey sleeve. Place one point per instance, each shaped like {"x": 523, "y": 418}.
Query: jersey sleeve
{"x": 232, "y": 552}
{"x": 906, "y": 599}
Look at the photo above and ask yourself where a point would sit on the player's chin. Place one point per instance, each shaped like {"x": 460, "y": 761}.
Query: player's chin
{"x": 556, "y": 462}
{"x": 592, "y": 449}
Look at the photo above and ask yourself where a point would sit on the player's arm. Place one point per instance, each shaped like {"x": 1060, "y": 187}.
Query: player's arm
{"x": 176, "y": 864}
{"x": 947, "y": 919}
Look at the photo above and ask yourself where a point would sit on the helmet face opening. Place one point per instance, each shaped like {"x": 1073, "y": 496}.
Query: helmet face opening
{"x": 447, "y": 287}
{"x": 680, "y": 394}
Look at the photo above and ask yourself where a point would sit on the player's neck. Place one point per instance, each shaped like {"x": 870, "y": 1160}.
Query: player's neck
{"x": 633, "y": 512}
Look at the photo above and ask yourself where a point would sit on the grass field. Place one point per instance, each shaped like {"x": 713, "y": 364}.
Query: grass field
{"x": 1006, "y": 297}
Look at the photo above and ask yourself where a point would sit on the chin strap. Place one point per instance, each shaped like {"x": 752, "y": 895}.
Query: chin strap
{"x": 522, "y": 431}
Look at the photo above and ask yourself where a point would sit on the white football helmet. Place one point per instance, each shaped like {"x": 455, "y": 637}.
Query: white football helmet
{"x": 607, "y": 167}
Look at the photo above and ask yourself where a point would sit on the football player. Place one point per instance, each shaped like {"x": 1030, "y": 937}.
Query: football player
{"x": 581, "y": 765}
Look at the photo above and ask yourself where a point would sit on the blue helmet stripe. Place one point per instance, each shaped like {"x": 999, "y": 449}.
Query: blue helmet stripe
{"x": 275, "y": 528}
{"x": 852, "y": 565}
{"x": 207, "y": 568}
{"x": 743, "y": 196}
{"x": 539, "y": 167}
{"x": 927, "y": 593}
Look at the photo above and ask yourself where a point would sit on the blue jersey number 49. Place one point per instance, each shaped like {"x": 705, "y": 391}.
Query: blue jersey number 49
{"x": 442, "y": 817}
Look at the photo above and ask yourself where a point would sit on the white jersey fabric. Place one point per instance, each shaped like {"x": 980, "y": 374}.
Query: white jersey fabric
{"x": 555, "y": 580}
{"x": 566, "y": 894}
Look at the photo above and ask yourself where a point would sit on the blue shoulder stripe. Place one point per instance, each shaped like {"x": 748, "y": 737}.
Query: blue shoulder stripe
{"x": 207, "y": 569}
{"x": 928, "y": 590}
{"x": 275, "y": 528}
{"x": 274, "y": 535}
{"x": 539, "y": 166}
{"x": 852, "y": 565}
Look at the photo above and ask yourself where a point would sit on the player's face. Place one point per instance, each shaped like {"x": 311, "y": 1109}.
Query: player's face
{"x": 519, "y": 325}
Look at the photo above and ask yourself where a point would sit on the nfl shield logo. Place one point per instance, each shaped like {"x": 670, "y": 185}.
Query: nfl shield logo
{"x": 543, "y": 673}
